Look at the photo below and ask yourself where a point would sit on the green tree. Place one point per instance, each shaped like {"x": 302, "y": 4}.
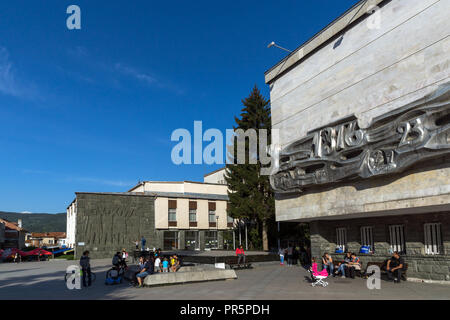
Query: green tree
{"x": 250, "y": 195}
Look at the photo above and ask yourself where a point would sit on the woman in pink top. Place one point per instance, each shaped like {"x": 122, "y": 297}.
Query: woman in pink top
{"x": 315, "y": 272}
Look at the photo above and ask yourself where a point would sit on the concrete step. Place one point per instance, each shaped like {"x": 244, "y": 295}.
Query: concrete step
{"x": 189, "y": 276}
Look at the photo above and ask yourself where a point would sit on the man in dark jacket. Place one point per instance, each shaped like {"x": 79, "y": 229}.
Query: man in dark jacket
{"x": 86, "y": 267}
{"x": 395, "y": 266}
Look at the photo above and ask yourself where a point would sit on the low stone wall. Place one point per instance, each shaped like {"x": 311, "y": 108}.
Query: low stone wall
{"x": 193, "y": 275}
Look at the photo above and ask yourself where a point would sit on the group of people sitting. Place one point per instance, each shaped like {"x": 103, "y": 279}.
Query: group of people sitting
{"x": 351, "y": 263}
{"x": 156, "y": 263}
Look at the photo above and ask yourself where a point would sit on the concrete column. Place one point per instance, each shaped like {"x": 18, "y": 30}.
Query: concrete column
{"x": 201, "y": 237}
{"x": 220, "y": 240}
{"x": 181, "y": 239}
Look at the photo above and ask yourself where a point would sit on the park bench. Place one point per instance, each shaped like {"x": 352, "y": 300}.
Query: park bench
{"x": 232, "y": 262}
{"x": 357, "y": 272}
{"x": 382, "y": 266}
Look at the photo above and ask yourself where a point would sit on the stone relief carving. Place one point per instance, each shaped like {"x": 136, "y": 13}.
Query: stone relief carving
{"x": 343, "y": 151}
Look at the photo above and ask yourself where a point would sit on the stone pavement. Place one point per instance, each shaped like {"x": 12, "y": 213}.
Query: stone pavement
{"x": 45, "y": 280}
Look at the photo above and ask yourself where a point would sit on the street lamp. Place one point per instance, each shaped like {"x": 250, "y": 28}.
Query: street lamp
{"x": 273, "y": 44}
{"x": 217, "y": 232}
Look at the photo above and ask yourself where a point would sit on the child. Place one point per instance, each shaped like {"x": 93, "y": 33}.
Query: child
{"x": 165, "y": 265}
{"x": 157, "y": 264}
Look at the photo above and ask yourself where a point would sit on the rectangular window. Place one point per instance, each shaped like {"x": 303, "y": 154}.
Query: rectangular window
{"x": 172, "y": 210}
{"x": 341, "y": 238}
{"x": 172, "y": 214}
{"x": 212, "y": 216}
{"x": 433, "y": 238}
{"x": 230, "y": 219}
{"x": 397, "y": 238}
{"x": 192, "y": 211}
{"x": 367, "y": 237}
{"x": 192, "y": 215}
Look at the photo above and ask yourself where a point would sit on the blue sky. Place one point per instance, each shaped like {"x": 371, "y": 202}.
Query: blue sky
{"x": 93, "y": 109}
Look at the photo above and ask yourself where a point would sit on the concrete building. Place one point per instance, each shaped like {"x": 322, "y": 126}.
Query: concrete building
{"x": 170, "y": 215}
{"x": 217, "y": 176}
{"x": 363, "y": 113}
{"x": 14, "y": 234}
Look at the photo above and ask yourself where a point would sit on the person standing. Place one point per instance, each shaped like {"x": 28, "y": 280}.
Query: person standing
{"x": 143, "y": 242}
{"x": 281, "y": 253}
{"x": 86, "y": 268}
{"x": 289, "y": 255}
{"x": 137, "y": 244}
{"x": 240, "y": 254}
{"x": 327, "y": 262}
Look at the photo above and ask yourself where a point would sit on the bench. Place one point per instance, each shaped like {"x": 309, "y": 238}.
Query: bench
{"x": 336, "y": 266}
{"x": 382, "y": 266}
{"x": 234, "y": 265}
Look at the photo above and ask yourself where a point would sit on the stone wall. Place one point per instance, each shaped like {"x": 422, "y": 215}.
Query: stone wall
{"x": 429, "y": 267}
{"x": 107, "y": 223}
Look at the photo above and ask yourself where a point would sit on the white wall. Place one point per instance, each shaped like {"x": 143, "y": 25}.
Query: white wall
{"x": 370, "y": 73}
{"x": 216, "y": 177}
{"x": 71, "y": 225}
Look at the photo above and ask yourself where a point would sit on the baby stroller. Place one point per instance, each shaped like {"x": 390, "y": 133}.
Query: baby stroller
{"x": 318, "y": 279}
{"x": 113, "y": 276}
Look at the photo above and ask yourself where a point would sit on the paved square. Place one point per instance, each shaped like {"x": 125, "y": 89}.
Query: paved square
{"x": 44, "y": 280}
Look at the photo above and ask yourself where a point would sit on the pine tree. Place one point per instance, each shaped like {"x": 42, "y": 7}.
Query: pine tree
{"x": 250, "y": 195}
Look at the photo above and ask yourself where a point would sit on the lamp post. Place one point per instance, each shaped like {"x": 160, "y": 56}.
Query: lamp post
{"x": 273, "y": 44}
{"x": 217, "y": 232}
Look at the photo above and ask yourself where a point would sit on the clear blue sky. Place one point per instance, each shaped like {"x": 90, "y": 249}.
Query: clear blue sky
{"x": 93, "y": 109}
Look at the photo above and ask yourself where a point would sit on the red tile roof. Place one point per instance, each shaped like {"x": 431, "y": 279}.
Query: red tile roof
{"x": 11, "y": 225}
{"x": 48, "y": 235}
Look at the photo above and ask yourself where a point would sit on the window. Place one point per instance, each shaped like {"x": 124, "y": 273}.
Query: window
{"x": 367, "y": 237}
{"x": 230, "y": 219}
{"x": 212, "y": 216}
{"x": 433, "y": 240}
{"x": 192, "y": 215}
{"x": 341, "y": 238}
{"x": 170, "y": 240}
{"x": 212, "y": 212}
{"x": 172, "y": 214}
{"x": 211, "y": 240}
{"x": 397, "y": 238}
{"x": 192, "y": 211}
{"x": 172, "y": 210}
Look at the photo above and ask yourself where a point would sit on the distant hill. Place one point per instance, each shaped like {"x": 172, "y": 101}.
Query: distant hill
{"x": 38, "y": 222}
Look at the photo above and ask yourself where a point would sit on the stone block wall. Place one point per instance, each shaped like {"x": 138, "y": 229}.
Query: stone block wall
{"x": 107, "y": 223}
{"x": 420, "y": 265}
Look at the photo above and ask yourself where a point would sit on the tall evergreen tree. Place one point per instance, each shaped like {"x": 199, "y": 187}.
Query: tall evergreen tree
{"x": 250, "y": 195}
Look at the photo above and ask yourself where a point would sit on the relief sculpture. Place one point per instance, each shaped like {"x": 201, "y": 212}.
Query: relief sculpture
{"x": 343, "y": 151}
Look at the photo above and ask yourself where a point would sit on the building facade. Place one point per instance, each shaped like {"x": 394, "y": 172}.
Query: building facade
{"x": 170, "y": 215}
{"x": 363, "y": 113}
{"x": 46, "y": 239}
{"x": 14, "y": 234}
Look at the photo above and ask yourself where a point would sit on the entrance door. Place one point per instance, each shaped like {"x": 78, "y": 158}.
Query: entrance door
{"x": 192, "y": 240}
{"x": 170, "y": 240}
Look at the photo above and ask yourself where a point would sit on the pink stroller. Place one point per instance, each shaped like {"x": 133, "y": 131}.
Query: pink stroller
{"x": 318, "y": 277}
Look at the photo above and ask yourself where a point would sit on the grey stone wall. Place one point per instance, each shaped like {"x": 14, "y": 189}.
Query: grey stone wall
{"x": 420, "y": 265}
{"x": 107, "y": 223}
